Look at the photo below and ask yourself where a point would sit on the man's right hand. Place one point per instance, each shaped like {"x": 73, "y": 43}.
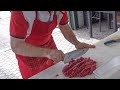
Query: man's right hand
{"x": 56, "y": 55}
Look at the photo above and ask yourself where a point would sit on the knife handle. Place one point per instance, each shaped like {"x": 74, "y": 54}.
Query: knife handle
{"x": 110, "y": 41}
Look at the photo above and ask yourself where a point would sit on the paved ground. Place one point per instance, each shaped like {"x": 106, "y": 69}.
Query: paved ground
{"x": 8, "y": 63}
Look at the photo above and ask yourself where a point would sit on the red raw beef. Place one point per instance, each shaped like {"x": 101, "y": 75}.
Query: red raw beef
{"x": 79, "y": 67}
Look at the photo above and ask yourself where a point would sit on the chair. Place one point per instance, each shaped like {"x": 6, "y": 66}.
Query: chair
{"x": 91, "y": 16}
{"x": 96, "y": 15}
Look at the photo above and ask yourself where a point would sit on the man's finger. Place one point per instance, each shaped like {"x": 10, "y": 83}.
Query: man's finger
{"x": 91, "y": 46}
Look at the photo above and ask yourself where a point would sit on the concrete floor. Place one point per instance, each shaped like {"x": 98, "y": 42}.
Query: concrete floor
{"x": 8, "y": 63}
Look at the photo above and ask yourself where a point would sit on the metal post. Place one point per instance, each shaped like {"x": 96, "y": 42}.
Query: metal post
{"x": 90, "y": 22}
{"x": 80, "y": 18}
{"x": 115, "y": 20}
{"x": 109, "y": 21}
{"x": 100, "y": 20}
{"x": 72, "y": 20}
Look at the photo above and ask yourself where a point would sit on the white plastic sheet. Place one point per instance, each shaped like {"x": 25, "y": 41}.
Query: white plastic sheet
{"x": 109, "y": 70}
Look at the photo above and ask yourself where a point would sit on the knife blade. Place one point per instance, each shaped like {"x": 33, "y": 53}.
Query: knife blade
{"x": 74, "y": 54}
{"x": 111, "y": 41}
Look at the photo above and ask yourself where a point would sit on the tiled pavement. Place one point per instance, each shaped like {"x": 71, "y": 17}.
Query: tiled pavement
{"x": 8, "y": 63}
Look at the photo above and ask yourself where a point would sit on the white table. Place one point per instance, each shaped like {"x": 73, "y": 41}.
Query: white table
{"x": 101, "y": 54}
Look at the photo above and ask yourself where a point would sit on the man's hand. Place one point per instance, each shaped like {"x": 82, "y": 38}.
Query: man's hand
{"x": 80, "y": 45}
{"x": 56, "y": 55}
{"x": 70, "y": 36}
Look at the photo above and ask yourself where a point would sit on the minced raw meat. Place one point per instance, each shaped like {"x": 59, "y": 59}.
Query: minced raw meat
{"x": 79, "y": 67}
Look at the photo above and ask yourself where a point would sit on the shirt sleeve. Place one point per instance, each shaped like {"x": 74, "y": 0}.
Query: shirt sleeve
{"x": 64, "y": 19}
{"x": 18, "y": 25}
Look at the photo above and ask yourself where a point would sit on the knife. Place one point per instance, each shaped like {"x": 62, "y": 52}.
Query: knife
{"x": 74, "y": 54}
{"x": 111, "y": 41}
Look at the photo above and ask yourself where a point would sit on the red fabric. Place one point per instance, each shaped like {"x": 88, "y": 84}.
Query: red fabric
{"x": 19, "y": 27}
{"x": 30, "y": 66}
{"x": 18, "y": 24}
{"x": 64, "y": 19}
{"x": 40, "y": 36}
{"x": 41, "y": 32}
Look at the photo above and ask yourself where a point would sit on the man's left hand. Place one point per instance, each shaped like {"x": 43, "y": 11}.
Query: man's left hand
{"x": 81, "y": 45}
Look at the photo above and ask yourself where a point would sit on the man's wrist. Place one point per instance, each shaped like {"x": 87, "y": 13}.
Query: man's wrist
{"x": 76, "y": 43}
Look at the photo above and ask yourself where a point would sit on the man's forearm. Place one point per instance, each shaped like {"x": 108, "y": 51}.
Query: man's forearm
{"x": 20, "y": 47}
{"x": 68, "y": 34}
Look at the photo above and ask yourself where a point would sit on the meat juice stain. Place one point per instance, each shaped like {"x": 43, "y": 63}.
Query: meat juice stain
{"x": 56, "y": 75}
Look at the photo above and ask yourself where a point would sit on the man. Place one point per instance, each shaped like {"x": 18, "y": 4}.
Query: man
{"x": 32, "y": 42}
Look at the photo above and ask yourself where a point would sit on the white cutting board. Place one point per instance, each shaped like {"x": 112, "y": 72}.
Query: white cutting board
{"x": 51, "y": 73}
{"x": 101, "y": 54}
